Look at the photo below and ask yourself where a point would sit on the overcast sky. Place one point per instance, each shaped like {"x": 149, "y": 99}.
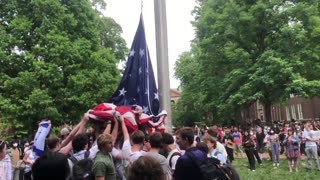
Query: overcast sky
{"x": 180, "y": 32}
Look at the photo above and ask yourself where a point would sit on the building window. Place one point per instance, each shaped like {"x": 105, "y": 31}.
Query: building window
{"x": 293, "y": 112}
{"x": 288, "y": 113}
{"x": 300, "y": 114}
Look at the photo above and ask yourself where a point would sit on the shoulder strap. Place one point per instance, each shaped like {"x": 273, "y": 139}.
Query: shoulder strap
{"x": 194, "y": 158}
{"x": 216, "y": 153}
{"x": 173, "y": 154}
{"x": 73, "y": 159}
{"x": 86, "y": 154}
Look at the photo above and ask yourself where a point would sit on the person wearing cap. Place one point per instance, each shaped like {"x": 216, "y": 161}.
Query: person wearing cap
{"x": 64, "y": 133}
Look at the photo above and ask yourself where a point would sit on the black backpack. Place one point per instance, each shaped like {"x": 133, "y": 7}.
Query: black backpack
{"x": 82, "y": 170}
{"x": 211, "y": 168}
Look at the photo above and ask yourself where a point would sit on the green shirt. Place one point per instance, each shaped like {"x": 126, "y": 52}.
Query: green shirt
{"x": 103, "y": 166}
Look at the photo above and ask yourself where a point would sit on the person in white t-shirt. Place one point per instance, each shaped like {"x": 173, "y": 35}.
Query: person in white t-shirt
{"x": 220, "y": 147}
{"x": 311, "y": 146}
{"x": 132, "y": 152}
{"x": 174, "y": 153}
{"x": 5, "y": 162}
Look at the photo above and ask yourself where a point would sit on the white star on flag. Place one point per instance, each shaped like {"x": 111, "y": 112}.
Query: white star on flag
{"x": 122, "y": 92}
{"x": 141, "y": 52}
{"x": 156, "y": 96}
{"x": 132, "y": 52}
{"x": 140, "y": 71}
{"x": 145, "y": 109}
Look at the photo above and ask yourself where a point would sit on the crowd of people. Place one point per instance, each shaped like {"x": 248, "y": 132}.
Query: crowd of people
{"x": 107, "y": 151}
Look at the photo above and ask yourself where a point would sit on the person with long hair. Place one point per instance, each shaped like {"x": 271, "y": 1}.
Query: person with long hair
{"x": 292, "y": 150}
{"x": 248, "y": 146}
{"x": 273, "y": 139}
{"x": 5, "y": 161}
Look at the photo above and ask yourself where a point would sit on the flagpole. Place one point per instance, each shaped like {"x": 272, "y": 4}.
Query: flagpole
{"x": 162, "y": 59}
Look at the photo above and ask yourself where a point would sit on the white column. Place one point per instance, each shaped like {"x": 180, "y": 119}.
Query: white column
{"x": 162, "y": 59}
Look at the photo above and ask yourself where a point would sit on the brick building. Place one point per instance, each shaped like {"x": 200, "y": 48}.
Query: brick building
{"x": 297, "y": 108}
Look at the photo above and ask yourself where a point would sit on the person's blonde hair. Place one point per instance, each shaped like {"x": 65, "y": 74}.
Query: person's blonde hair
{"x": 103, "y": 139}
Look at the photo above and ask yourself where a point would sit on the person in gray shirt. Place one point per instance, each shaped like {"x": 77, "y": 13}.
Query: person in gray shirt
{"x": 155, "y": 140}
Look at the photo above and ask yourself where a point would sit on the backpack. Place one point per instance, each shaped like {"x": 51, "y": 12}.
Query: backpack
{"x": 170, "y": 159}
{"x": 211, "y": 169}
{"x": 82, "y": 170}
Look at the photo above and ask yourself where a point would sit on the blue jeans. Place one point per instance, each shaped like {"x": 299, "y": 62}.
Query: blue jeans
{"x": 275, "y": 152}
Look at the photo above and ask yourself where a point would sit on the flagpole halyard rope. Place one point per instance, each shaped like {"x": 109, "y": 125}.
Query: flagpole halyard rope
{"x": 141, "y": 5}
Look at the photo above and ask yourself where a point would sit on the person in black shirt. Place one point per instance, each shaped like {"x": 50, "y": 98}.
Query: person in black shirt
{"x": 229, "y": 144}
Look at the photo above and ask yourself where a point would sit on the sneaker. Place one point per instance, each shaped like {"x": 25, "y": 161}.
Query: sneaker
{"x": 274, "y": 164}
{"x": 278, "y": 164}
{"x": 253, "y": 170}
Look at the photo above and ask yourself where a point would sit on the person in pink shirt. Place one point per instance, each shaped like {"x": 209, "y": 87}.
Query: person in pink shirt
{"x": 237, "y": 139}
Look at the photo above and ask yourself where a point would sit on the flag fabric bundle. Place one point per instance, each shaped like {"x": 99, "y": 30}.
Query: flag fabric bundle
{"x": 40, "y": 138}
{"x": 138, "y": 86}
{"x": 133, "y": 118}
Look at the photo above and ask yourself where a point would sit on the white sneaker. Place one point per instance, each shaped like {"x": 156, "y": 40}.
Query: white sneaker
{"x": 253, "y": 170}
{"x": 274, "y": 164}
{"x": 278, "y": 164}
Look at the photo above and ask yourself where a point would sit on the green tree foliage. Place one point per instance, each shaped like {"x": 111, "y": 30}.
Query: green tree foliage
{"x": 255, "y": 50}
{"x": 57, "y": 60}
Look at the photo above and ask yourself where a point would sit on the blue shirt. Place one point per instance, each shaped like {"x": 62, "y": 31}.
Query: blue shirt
{"x": 187, "y": 169}
{"x": 216, "y": 154}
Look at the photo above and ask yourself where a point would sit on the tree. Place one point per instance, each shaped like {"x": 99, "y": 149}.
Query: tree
{"x": 56, "y": 60}
{"x": 256, "y": 50}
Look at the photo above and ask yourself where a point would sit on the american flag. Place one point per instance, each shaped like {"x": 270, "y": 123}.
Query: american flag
{"x": 138, "y": 85}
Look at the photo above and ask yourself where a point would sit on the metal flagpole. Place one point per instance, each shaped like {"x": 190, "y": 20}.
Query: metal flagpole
{"x": 162, "y": 59}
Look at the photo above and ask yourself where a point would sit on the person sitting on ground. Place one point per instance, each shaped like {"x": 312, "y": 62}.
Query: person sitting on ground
{"x": 186, "y": 168}
{"x": 51, "y": 166}
{"x": 146, "y": 168}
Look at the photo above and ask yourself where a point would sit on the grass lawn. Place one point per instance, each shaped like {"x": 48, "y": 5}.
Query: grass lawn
{"x": 266, "y": 171}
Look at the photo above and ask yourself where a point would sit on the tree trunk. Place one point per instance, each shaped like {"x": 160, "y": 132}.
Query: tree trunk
{"x": 267, "y": 111}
